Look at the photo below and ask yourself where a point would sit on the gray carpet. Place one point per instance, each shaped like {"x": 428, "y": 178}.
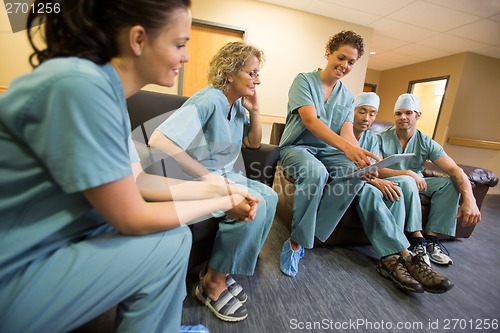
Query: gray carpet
{"x": 338, "y": 290}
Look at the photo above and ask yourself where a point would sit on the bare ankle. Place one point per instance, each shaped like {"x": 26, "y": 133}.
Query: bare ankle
{"x": 294, "y": 245}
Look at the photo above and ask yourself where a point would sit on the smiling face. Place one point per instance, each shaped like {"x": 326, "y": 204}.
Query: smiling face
{"x": 341, "y": 61}
{"x": 243, "y": 81}
{"x": 162, "y": 56}
{"x": 406, "y": 120}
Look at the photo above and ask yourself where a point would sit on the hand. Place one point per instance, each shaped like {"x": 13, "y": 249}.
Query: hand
{"x": 360, "y": 156}
{"x": 469, "y": 212}
{"x": 251, "y": 103}
{"x": 390, "y": 189}
{"x": 244, "y": 209}
{"x": 370, "y": 175}
{"x": 421, "y": 183}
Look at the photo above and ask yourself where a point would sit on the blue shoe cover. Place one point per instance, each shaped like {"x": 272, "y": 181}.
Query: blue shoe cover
{"x": 289, "y": 259}
{"x": 194, "y": 329}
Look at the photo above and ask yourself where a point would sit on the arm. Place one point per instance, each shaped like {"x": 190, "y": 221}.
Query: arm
{"x": 419, "y": 180}
{"x": 159, "y": 141}
{"x": 347, "y": 133}
{"x": 121, "y": 204}
{"x": 358, "y": 155}
{"x": 159, "y": 188}
{"x": 254, "y": 137}
{"x": 468, "y": 209}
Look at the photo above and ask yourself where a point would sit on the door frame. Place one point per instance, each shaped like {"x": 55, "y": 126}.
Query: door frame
{"x": 209, "y": 24}
{"x": 412, "y": 83}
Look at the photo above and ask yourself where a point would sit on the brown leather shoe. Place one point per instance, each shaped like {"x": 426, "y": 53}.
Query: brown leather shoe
{"x": 394, "y": 268}
{"x": 431, "y": 280}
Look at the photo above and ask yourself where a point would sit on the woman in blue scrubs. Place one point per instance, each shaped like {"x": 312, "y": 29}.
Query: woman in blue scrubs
{"x": 77, "y": 237}
{"x": 318, "y": 144}
{"x": 205, "y": 136}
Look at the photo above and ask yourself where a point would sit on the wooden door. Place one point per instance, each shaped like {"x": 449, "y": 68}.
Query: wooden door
{"x": 205, "y": 41}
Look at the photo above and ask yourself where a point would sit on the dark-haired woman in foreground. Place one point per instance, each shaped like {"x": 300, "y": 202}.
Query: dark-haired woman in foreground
{"x": 77, "y": 237}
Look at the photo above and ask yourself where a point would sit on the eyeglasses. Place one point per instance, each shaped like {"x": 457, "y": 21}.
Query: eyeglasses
{"x": 252, "y": 74}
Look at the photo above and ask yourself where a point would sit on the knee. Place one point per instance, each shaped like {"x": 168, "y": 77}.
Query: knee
{"x": 449, "y": 186}
{"x": 370, "y": 191}
{"x": 407, "y": 184}
{"x": 181, "y": 237}
{"x": 316, "y": 174}
{"x": 272, "y": 199}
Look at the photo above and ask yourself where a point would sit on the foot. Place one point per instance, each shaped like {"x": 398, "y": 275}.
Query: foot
{"x": 289, "y": 259}
{"x": 193, "y": 329}
{"x": 226, "y": 307}
{"x": 436, "y": 253}
{"x": 394, "y": 268}
{"x": 431, "y": 280}
{"x": 420, "y": 249}
{"x": 234, "y": 287}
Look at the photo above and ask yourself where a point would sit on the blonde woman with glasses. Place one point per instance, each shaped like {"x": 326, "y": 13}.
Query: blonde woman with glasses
{"x": 205, "y": 136}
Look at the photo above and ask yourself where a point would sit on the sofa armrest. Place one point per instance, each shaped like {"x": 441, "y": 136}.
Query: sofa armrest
{"x": 260, "y": 164}
{"x": 477, "y": 176}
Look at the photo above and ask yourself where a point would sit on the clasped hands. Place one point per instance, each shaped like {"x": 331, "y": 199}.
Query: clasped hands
{"x": 244, "y": 204}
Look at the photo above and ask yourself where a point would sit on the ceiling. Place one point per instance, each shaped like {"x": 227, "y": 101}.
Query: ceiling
{"x": 406, "y": 32}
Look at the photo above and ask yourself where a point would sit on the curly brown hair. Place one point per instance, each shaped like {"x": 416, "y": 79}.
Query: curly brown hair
{"x": 230, "y": 59}
{"x": 345, "y": 38}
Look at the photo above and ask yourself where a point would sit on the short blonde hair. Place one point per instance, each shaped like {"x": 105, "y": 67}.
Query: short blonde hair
{"x": 230, "y": 59}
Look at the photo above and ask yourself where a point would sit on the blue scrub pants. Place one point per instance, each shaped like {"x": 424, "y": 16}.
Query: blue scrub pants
{"x": 383, "y": 220}
{"x": 144, "y": 275}
{"x": 237, "y": 245}
{"x": 444, "y": 204}
{"x": 318, "y": 204}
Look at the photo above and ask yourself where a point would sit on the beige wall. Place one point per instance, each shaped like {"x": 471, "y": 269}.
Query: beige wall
{"x": 372, "y": 77}
{"x": 470, "y": 107}
{"x": 292, "y": 41}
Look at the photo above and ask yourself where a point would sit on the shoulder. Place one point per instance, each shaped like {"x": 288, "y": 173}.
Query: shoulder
{"x": 387, "y": 133}
{"x": 207, "y": 96}
{"x": 425, "y": 139}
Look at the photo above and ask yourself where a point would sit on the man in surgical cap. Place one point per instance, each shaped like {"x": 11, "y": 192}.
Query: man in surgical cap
{"x": 381, "y": 209}
{"x": 444, "y": 192}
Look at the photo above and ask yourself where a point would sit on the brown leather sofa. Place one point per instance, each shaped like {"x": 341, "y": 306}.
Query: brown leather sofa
{"x": 349, "y": 230}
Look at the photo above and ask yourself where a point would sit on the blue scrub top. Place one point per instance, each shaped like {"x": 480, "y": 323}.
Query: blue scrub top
{"x": 420, "y": 144}
{"x": 201, "y": 127}
{"x": 64, "y": 128}
{"x": 307, "y": 89}
{"x": 369, "y": 141}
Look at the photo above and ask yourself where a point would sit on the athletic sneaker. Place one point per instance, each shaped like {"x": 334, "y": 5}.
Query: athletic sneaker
{"x": 420, "y": 249}
{"x": 436, "y": 254}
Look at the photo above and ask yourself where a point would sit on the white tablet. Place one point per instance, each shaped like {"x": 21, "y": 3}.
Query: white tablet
{"x": 386, "y": 162}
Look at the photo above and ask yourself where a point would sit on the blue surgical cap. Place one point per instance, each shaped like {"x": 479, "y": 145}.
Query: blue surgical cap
{"x": 407, "y": 101}
{"x": 367, "y": 98}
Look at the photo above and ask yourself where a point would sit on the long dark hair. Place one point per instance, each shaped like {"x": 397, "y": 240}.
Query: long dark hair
{"x": 89, "y": 28}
